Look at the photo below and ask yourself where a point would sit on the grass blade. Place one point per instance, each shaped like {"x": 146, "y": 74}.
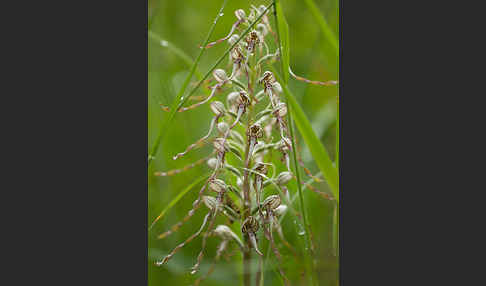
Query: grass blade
{"x": 175, "y": 50}
{"x": 178, "y": 197}
{"x": 174, "y": 105}
{"x": 316, "y": 148}
{"x": 283, "y": 35}
{"x": 326, "y": 31}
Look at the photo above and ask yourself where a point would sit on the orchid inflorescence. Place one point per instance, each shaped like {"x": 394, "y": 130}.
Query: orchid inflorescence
{"x": 244, "y": 123}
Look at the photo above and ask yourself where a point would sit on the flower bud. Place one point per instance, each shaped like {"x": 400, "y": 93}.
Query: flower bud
{"x": 283, "y": 178}
{"x": 240, "y": 14}
{"x": 224, "y": 232}
{"x": 217, "y": 185}
{"x": 232, "y": 40}
{"x": 262, "y": 28}
{"x": 280, "y": 109}
{"x": 277, "y": 87}
{"x": 271, "y": 202}
{"x": 218, "y": 145}
{"x": 217, "y": 107}
{"x": 210, "y": 202}
{"x": 223, "y": 127}
{"x": 212, "y": 163}
{"x": 250, "y": 225}
{"x": 220, "y": 75}
{"x": 280, "y": 210}
{"x": 232, "y": 98}
{"x": 239, "y": 182}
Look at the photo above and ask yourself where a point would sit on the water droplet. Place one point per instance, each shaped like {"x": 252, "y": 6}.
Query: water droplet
{"x": 221, "y": 14}
{"x": 164, "y": 43}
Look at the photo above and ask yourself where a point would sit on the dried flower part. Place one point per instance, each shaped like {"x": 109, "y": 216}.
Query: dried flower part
{"x": 217, "y": 185}
{"x": 220, "y": 145}
{"x": 250, "y": 225}
{"x": 255, "y": 131}
{"x": 280, "y": 210}
{"x": 218, "y": 107}
{"x": 210, "y": 202}
{"x": 243, "y": 99}
{"x": 252, "y": 40}
{"x": 220, "y": 75}
{"x": 267, "y": 78}
{"x": 223, "y": 127}
{"x": 283, "y": 178}
{"x": 212, "y": 163}
{"x": 272, "y": 202}
{"x": 281, "y": 109}
{"x": 261, "y": 168}
{"x": 232, "y": 40}
{"x": 240, "y": 14}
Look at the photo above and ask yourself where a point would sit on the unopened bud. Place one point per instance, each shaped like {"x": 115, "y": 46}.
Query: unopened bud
{"x": 232, "y": 98}
{"x": 280, "y": 210}
{"x": 283, "y": 178}
{"x": 232, "y": 40}
{"x": 240, "y": 14}
{"x": 262, "y": 28}
{"x": 212, "y": 163}
{"x": 217, "y": 185}
{"x": 223, "y": 127}
{"x": 271, "y": 202}
{"x": 277, "y": 87}
{"x": 224, "y": 232}
{"x": 218, "y": 145}
{"x": 217, "y": 107}
{"x": 210, "y": 202}
{"x": 280, "y": 109}
{"x": 220, "y": 75}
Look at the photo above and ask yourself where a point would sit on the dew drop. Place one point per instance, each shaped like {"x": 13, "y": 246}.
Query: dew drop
{"x": 164, "y": 43}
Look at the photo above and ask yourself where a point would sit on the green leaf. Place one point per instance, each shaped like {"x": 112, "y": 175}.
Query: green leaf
{"x": 283, "y": 35}
{"x": 326, "y": 31}
{"x": 179, "y": 197}
{"x": 315, "y": 146}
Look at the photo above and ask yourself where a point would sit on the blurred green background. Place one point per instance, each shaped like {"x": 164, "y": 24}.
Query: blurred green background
{"x": 185, "y": 24}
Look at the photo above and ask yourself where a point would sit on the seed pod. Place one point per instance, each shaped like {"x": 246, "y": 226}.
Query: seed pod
{"x": 210, "y": 202}
{"x": 212, "y": 163}
{"x": 220, "y": 75}
{"x": 280, "y": 109}
{"x": 218, "y": 145}
{"x": 280, "y": 210}
{"x": 217, "y": 107}
{"x": 283, "y": 178}
{"x": 217, "y": 185}
{"x": 272, "y": 202}
{"x": 223, "y": 127}
{"x": 240, "y": 14}
{"x": 277, "y": 87}
{"x": 232, "y": 40}
{"x": 250, "y": 225}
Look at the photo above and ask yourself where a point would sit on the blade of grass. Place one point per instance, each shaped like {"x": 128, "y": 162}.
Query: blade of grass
{"x": 326, "y": 31}
{"x": 174, "y": 49}
{"x": 178, "y": 198}
{"x": 283, "y": 38}
{"x": 173, "y": 108}
{"x": 316, "y": 148}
